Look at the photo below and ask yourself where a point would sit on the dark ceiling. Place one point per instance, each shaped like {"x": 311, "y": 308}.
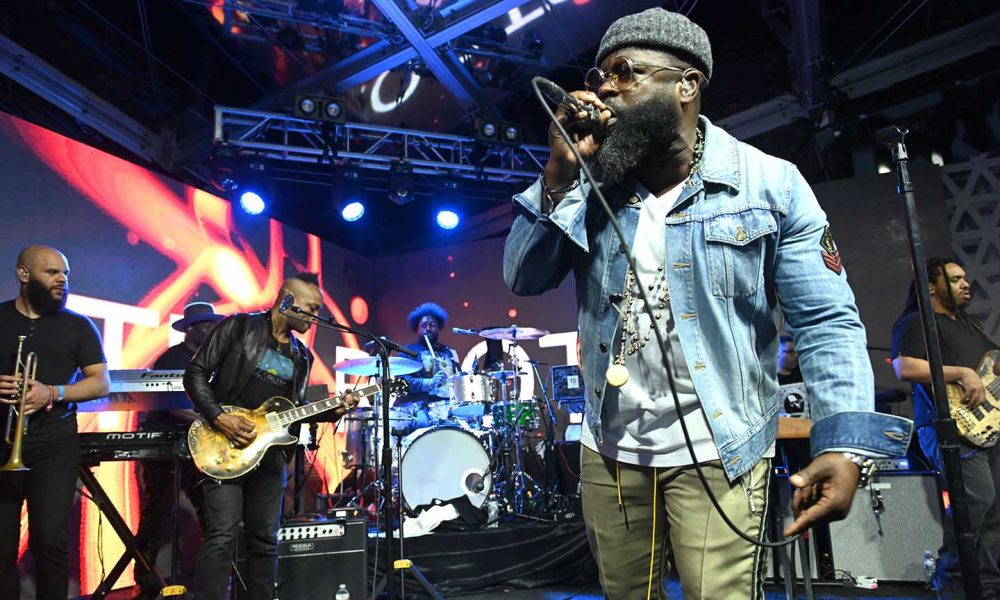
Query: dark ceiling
{"x": 166, "y": 65}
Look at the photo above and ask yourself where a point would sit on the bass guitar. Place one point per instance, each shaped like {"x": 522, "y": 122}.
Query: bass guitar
{"x": 979, "y": 426}
{"x": 216, "y": 456}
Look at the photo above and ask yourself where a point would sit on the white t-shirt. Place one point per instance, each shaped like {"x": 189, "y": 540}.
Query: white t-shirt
{"x": 641, "y": 425}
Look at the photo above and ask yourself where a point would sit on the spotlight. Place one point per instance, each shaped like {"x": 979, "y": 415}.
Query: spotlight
{"x": 401, "y": 182}
{"x": 352, "y": 211}
{"x": 511, "y": 134}
{"x": 447, "y": 219}
{"x": 252, "y": 203}
{"x": 319, "y": 108}
{"x": 508, "y": 134}
{"x": 486, "y": 130}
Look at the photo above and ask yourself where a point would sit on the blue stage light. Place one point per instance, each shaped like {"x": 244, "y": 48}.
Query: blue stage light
{"x": 353, "y": 211}
{"x": 252, "y": 203}
{"x": 447, "y": 219}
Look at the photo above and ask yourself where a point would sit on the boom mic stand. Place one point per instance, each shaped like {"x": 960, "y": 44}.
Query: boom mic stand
{"x": 384, "y": 346}
{"x": 947, "y": 432}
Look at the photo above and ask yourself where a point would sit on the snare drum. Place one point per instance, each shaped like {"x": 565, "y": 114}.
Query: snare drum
{"x": 470, "y": 396}
{"x": 439, "y": 411}
{"x": 444, "y": 462}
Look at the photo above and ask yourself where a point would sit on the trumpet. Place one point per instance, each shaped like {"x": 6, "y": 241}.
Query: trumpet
{"x": 17, "y": 421}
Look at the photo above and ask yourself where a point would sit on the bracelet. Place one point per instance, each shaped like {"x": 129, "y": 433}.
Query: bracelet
{"x": 564, "y": 189}
{"x": 52, "y": 396}
{"x": 866, "y": 464}
{"x": 548, "y": 203}
{"x": 62, "y": 392}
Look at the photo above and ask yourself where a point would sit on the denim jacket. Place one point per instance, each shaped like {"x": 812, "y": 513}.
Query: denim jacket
{"x": 742, "y": 241}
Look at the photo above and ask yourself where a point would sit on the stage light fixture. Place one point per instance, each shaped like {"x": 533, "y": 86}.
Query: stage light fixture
{"x": 447, "y": 219}
{"x": 512, "y": 134}
{"x": 252, "y": 203}
{"x": 488, "y": 130}
{"x": 401, "y": 182}
{"x": 352, "y": 211}
{"x": 319, "y": 108}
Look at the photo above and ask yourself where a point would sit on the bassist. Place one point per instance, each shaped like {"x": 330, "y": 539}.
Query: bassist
{"x": 247, "y": 359}
{"x": 963, "y": 345}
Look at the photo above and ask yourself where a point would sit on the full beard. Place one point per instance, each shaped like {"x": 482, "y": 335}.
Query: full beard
{"x": 638, "y": 132}
{"x": 42, "y": 298}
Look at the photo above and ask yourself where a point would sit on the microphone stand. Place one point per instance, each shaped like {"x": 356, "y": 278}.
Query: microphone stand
{"x": 947, "y": 432}
{"x": 384, "y": 347}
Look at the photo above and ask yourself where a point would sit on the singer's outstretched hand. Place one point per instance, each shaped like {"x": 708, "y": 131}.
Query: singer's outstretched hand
{"x": 562, "y": 168}
{"x": 824, "y": 490}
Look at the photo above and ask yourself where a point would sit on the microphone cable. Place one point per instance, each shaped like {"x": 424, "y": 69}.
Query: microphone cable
{"x": 662, "y": 342}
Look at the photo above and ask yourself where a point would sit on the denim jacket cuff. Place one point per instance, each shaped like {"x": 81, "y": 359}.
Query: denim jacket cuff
{"x": 565, "y": 215}
{"x": 867, "y": 433}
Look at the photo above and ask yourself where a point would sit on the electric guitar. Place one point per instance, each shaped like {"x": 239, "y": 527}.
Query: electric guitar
{"x": 216, "y": 456}
{"x": 979, "y": 426}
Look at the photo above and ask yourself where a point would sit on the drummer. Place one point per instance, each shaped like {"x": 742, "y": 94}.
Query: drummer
{"x": 433, "y": 382}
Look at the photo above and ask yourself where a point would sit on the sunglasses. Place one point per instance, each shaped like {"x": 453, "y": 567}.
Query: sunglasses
{"x": 622, "y": 74}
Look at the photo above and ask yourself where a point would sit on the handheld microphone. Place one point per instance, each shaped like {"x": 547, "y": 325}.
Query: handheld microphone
{"x": 286, "y": 303}
{"x": 558, "y": 95}
{"x": 462, "y": 331}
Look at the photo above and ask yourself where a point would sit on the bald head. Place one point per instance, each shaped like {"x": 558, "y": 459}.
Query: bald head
{"x": 43, "y": 274}
{"x": 305, "y": 292}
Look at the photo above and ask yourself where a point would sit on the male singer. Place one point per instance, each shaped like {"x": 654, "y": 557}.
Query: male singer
{"x": 723, "y": 235}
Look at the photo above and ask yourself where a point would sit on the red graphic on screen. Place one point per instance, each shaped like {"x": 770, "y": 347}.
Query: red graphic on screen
{"x": 195, "y": 231}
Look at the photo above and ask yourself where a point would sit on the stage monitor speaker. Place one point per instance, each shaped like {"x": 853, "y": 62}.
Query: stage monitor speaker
{"x": 911, "y": 522}
{"x": 315, "y": 558}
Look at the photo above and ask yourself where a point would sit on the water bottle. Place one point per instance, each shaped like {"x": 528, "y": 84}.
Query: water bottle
{"x": 930, "y": 567}
{"x": 342, "y": 593}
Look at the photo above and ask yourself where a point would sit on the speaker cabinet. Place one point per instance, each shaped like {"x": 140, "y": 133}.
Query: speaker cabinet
{"x": 910, "y": 520}
{"x": 315, "y": 558}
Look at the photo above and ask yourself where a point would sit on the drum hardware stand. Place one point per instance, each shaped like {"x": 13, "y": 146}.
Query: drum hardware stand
{"x": 384, "y": 346}
{"x": 550, "y": 440}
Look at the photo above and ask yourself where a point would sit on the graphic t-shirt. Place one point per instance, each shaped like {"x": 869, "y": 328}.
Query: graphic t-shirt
{"x": 272, "y": 377}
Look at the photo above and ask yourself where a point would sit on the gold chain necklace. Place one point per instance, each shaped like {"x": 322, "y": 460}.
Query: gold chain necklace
{"x": 632, "y": 339}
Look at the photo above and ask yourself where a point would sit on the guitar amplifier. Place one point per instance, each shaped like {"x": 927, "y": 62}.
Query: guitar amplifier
{"x": 889, "y": 527}
{"x": 315, "y": 558}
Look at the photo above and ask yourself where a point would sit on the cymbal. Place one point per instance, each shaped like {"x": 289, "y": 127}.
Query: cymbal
{"x": 398, "y": 365}
{"x": 513, "y": 333}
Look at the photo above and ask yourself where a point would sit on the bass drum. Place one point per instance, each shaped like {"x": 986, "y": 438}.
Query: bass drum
{"x": 444, "y": 462}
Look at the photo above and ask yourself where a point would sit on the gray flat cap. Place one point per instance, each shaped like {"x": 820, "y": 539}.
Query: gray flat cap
{"x": 661, "y": 29}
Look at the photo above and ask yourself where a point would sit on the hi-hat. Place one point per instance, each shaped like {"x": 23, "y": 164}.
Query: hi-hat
{"x": 370, "y": 366}
{"x": 504, "y": 374}
{"x": 513, "y": 333}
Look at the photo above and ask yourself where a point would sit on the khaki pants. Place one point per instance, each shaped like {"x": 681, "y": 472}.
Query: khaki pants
{"x": 630, "y": 539}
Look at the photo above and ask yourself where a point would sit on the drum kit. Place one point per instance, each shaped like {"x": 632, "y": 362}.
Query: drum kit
{"x": 474, "y": 444}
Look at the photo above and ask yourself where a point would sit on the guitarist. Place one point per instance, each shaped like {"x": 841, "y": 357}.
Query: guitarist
{"x": 963, "y": 345}
{"x": 247, "y": 359}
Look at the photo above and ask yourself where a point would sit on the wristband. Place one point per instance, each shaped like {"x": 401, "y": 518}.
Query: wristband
{"x": 52, "y": 396}
{"x": 548, "y": 203}
{"x": 867, "y": 466}
{"x": 62, "y": 393}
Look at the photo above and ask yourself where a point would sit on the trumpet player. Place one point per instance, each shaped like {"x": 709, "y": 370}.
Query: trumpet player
{"x": 70, "y": 368}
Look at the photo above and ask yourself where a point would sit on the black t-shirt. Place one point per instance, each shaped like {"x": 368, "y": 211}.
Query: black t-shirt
{"x": 274, "y": 376}
{"x": 174, "y": 358}
{"x": 963, "y": 344}
{"x": 793, "y": 376}
{"x": 65, "y": 343}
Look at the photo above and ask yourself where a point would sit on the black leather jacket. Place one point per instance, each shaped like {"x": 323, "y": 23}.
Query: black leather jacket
{"x": 223, "y": 365}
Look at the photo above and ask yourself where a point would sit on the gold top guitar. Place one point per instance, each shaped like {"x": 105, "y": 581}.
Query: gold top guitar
{"x": 215, "y": 456}
{"x": 979, "y": 426}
